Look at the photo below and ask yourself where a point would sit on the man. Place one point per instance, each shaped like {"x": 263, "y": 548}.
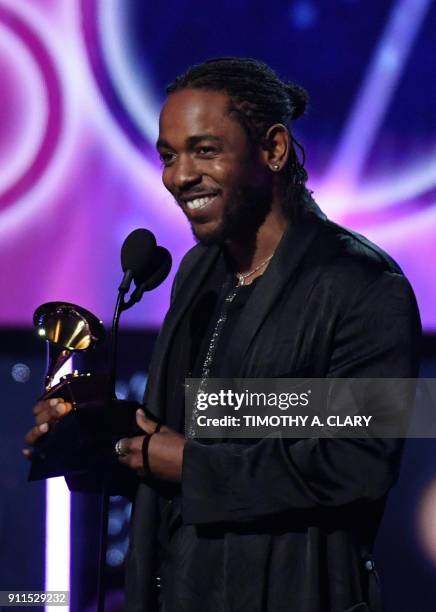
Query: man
{"x": 273, "y": 289}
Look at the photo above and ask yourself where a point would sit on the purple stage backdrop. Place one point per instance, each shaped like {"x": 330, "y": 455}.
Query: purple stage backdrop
{"x": 78, "y": 118}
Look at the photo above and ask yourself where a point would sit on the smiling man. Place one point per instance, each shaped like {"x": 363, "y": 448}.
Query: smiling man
{"x": 273, "y": 289}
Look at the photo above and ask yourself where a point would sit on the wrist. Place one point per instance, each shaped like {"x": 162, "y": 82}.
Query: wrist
{"x": 145, "y": 454}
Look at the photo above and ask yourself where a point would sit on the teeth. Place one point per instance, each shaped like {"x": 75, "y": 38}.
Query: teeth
{"x": 199, "y": 202}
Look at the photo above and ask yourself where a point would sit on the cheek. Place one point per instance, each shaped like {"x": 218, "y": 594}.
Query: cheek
{"x": 215, "y": 170}
{"x": 257, "y": 178}
{"x": 244, "y": 178}
{"x": 166, "y": 178}
{"x": 227, "y": 175}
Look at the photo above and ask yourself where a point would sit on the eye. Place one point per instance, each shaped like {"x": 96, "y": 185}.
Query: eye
{"x": 167, "y": 158}
{"x": 207, "y": 151}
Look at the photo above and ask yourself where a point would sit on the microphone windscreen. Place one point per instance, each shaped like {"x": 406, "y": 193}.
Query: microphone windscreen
{"x": 137, "y": 253}
{"x": 159, "y": 269}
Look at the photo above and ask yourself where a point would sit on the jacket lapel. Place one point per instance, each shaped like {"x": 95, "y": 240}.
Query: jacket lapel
{"x": 189, "y": 280}
{"x": 290, "y": 252}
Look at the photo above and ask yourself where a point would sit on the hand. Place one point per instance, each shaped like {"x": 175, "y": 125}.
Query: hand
{"x": 165, "y": 450}
{"x": 47, "y": 413}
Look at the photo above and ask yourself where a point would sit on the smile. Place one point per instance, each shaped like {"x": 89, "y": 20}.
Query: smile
{"x": 202, "y": 202}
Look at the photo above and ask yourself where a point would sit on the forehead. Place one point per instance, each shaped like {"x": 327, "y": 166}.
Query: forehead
{"x": 189, "y": 112}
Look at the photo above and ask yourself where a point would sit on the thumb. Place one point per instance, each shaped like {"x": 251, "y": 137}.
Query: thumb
{"x": 145, "y": 424}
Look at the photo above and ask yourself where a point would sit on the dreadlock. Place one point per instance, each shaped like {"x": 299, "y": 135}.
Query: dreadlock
{"x": 259, "y": 99}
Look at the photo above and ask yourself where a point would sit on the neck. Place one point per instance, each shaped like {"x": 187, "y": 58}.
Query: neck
{"x": 246, "y": 254}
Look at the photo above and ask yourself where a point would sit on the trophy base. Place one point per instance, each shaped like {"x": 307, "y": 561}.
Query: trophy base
{"x": 83, "y": 441}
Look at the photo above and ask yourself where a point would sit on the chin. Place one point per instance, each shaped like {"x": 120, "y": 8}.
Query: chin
{"x": 209, "y": 237}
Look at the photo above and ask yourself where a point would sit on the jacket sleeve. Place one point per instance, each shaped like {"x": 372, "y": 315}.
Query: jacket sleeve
{"x": 377, "y": 336}
{"x": 122, "y": 481}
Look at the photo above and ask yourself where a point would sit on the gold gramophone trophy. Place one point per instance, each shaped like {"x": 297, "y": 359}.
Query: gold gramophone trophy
{"x": 68, "y": 329}
{"x": 83, "y": 440}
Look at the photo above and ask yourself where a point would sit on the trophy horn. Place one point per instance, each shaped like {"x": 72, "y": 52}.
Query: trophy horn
{"x": 67, "y": 328}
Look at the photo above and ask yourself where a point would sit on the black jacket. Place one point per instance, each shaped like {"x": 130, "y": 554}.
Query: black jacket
{"x": 298, "y": 517}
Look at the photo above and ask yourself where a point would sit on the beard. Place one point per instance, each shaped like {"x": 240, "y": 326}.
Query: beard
{"x": 241, "y": 219}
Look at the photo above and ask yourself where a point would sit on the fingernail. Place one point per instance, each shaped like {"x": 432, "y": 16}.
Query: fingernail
{"x": 54, "y": 401}
{"x": 140, "y": 411}
{"x": 43, "y": 427}
{"x": 60, "y": 408}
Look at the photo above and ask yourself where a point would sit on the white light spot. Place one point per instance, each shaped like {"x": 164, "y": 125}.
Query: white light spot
{"x": 20, "y": 372}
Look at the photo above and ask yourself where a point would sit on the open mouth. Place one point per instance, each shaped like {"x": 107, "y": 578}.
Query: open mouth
{"x": 200, "y": 202}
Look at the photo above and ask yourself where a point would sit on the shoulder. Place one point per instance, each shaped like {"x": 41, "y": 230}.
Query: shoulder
{"x": 368, "y": 299}
{"x": 350, "y": 261}
{"x": 347, "y": 268}
{"x": 337, "y": 250}
{"x": 358, "y": 249}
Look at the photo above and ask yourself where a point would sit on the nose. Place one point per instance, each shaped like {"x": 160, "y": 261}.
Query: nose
{"x": 185, "y": 173}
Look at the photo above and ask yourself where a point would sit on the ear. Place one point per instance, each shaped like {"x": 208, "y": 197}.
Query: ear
{"x": 276, "y": 147}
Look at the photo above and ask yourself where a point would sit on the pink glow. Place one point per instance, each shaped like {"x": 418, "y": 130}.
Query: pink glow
{"x": 427, "y": 521}
{"x": 63, "y": 222}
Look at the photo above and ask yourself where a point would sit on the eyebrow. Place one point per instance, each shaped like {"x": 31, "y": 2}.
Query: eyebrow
{"x": 191, "y": 141}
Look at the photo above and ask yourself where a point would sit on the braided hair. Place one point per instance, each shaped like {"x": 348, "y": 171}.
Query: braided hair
{"x": 259, "y": 99}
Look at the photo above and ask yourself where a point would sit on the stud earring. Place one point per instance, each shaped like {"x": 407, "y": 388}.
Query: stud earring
{"x": 275, "y": 167}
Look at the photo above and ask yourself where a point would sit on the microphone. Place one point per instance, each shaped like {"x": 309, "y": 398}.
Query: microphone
{"x": 148, "y": 265}
{"x": 137, "y": 255}
{"x": 159, "y": 269}
{"x": 157, "y": 272}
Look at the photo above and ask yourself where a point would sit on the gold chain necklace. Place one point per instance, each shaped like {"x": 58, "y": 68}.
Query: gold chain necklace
{"x": 241, "y": 277}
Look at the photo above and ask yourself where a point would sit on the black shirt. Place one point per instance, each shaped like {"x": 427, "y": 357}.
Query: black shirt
{"x": 183, "y": 549}
{"x": 192, "y": 338}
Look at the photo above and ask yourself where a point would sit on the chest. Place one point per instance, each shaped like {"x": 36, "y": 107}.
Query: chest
{"x": 295, "y": 338}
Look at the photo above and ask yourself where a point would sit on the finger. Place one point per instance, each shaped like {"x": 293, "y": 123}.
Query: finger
{"x": 132, "y": 460}
{"x": 124, "y": 460}
{"x": 46, "y": 404}
{"x": 35, "y": 433}
{"x": 145, "y": 424}
{"x": 53, "y": 413}
{"x": 42, "y": 417}
{"x": 122, "y": 447}
{"x": 131, "y": 449}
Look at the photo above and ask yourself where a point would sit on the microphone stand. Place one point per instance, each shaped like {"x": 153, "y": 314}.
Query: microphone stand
{"x": 162, "y": 268}
{"x": 120, "y": 306}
